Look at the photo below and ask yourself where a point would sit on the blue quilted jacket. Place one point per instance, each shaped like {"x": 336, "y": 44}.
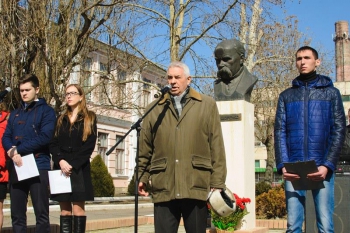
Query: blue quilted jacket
{"x": 310, "y": 123}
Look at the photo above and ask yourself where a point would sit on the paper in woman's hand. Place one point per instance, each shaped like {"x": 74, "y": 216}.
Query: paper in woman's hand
{"x": 303, "y": 169}
{"x": 59, "y": 183}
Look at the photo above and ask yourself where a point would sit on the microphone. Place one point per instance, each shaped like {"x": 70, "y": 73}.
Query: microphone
{"x": 4, "y": 92}
{"x": 162, "y": 91}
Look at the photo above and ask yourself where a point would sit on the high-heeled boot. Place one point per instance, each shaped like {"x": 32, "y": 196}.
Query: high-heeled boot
{"x": 79, "y": 224}
{"x": 66, "y": 224}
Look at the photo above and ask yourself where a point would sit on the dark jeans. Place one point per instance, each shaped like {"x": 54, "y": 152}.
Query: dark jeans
{"x": 39, "y": 193}
{"x": 167, "y": 216}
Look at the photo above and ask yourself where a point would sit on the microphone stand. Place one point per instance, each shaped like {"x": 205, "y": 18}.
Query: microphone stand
{"x": 137, "y": 126}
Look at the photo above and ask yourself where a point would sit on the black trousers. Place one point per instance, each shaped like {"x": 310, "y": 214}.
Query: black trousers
{"x": 167, "y": 216}
{"x": 39, "y": 193}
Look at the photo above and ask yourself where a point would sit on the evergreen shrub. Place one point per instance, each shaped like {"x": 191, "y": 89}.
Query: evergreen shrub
{"x": 102, "y": 181}
{"x": 131, "y": 186}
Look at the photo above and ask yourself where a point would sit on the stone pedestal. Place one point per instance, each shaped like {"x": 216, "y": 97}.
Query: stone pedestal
{"x": 237, "y": 122}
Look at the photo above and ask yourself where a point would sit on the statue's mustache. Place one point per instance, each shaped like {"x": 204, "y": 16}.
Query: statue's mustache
{"x": 224, "y": 72}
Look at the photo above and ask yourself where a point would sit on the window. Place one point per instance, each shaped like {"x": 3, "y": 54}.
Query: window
{"x": 121, "y": 88}
{"x": 103, "y": 68}
{"x": 121, "y": 75}
{"x": 257, "y": 163}
{"x": 120, "y": 157}
{"x": 145, "y": 85}
{"x": 104, "y": 90}
{"x": 102, "y": 146}
{"x": 345, "y": 98}
{"x": 87, "y": 86}
{"x": 258, "y": 143}
{"x": 257, "y": 177}
{"x": 86, "y": 66}
{"x": 86, "y": 77}
{"x": 145, "y": 97}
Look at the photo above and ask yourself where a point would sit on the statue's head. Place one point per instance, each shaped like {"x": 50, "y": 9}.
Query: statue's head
{"x": 229, "y": 57}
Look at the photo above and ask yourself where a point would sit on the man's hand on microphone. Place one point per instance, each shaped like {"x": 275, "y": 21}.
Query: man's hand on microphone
{"x": 142, "y": 189}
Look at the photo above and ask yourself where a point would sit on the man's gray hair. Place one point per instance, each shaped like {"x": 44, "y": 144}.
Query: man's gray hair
{"x": 181, "y": 65}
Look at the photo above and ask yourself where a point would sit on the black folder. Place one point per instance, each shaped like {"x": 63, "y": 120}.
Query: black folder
{"x": 302, "y": 169}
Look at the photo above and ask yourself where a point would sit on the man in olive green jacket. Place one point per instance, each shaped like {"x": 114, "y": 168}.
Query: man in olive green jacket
{"x": 181, "y": 154}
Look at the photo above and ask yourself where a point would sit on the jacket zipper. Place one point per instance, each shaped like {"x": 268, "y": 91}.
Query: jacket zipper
{"x": 306, "y": 121}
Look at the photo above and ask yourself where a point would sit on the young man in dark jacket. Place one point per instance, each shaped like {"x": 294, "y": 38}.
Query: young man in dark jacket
{"x": 310, "y": 125}
{"x": 29, "y": 131}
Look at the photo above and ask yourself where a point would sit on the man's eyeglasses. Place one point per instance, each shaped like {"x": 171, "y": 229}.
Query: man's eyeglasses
{"x": 71, "y": 93}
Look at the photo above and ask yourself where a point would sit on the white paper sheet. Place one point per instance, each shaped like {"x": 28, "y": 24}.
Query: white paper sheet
{"x": 28, "y": 168}
{"x": 59, "y": 183}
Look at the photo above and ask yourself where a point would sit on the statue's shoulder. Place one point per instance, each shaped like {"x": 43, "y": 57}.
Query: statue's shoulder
{"x": 249, "y": 75}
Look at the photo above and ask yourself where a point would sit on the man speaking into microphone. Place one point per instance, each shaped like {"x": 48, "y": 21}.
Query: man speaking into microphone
{"x": 181, "y": 154}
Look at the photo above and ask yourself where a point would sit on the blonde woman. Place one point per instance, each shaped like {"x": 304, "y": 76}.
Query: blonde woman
{"x": 71, "y": 147}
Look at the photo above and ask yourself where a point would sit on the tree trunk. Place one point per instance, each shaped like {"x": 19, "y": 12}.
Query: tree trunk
{"x": 270, "y": 162}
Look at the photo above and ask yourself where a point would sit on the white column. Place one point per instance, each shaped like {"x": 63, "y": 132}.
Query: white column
{"x": 237, "y": 122}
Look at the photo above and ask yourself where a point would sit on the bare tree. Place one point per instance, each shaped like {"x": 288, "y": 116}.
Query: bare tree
{"x": 163, "y": 31}
{"x": 50, "y": 38}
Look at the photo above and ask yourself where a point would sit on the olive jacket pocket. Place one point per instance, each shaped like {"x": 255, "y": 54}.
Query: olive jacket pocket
{"x": 202, "y": 169}
{"x": 159, "y": 178}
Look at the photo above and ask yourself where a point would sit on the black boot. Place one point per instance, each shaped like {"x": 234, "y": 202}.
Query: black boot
{"x": 79, "y": 224}
{"x": 66, "y": 224}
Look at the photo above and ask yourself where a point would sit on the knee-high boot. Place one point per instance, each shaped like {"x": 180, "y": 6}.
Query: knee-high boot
{"x": 66, "y": 224}
{"x": 79, "y": 224}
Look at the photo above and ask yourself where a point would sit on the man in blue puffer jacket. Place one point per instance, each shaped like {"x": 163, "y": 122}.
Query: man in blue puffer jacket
{"x": 309, "y": 125}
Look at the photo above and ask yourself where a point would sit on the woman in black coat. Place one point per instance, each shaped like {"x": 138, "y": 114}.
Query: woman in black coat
{"x": 71, "y": 149}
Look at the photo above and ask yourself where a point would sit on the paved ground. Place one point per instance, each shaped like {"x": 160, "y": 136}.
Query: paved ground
{"x": 100, "y": 211}
{"x": 103, "y": 211}
{"x": 150, "y": 229}
{"x": 142, "y": 229}
{"x": 93, "y": 212}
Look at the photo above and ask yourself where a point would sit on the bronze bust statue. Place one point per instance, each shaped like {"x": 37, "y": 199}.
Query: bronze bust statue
{"x": 234, "y": 81}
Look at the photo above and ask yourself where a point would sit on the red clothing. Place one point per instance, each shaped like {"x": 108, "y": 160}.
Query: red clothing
{"x": 4, "y": 176}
